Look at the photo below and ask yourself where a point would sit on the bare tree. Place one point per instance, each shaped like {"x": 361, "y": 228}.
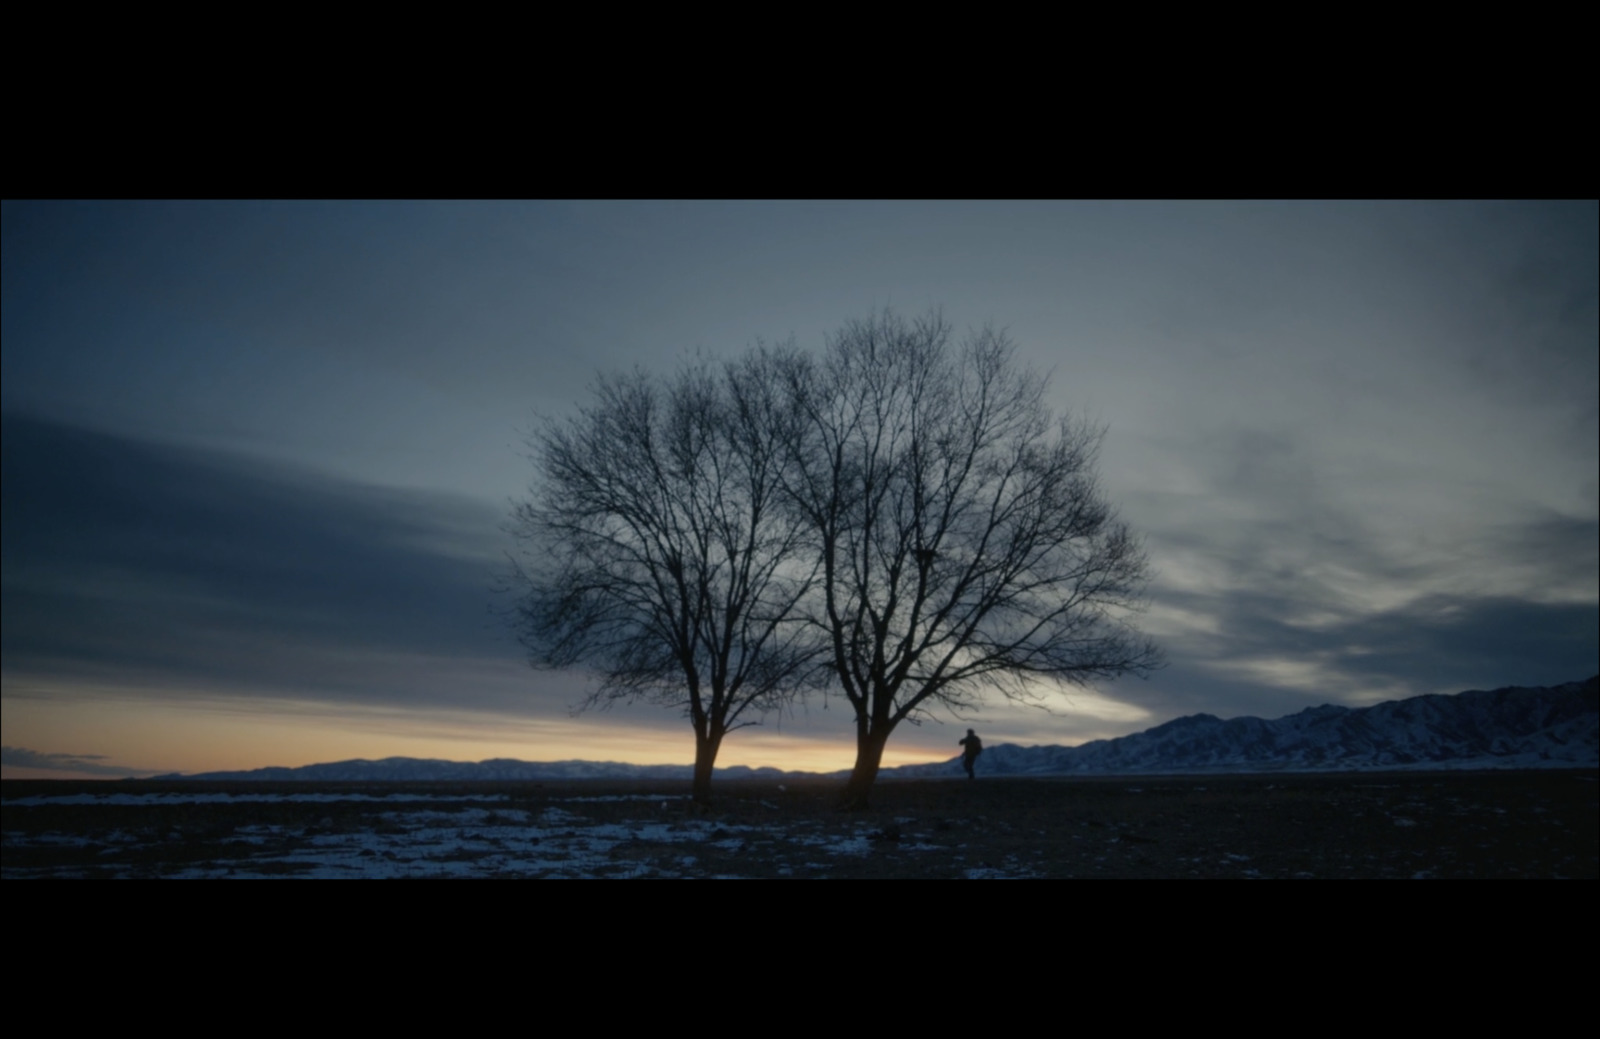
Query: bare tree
{"x": 657, "y": 553}
{"x": 965, "y": 546}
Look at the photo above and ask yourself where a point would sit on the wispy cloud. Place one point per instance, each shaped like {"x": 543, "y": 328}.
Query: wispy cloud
{"x": 201, "y": 567}
{"x": 89, "y": 764}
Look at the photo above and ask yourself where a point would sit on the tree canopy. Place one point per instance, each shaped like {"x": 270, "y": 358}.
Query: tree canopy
{"x": 965, "y": 545}
{"x": 659, "y": 553}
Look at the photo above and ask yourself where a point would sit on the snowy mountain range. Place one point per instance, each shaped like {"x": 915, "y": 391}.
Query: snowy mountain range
{"x": 1514, "y": 727}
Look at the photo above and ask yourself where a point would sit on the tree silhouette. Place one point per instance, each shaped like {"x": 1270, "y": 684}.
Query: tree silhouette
{"x": 656, "y": 550}
{"x": 964, "y": 543}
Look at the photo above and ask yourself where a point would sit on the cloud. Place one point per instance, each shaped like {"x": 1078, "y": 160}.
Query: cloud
{"x": 1238, "y": 648}
{"x": 89, "y": 764}
{"x": 131, "y": 558}
{"x": 1279, "y": 586}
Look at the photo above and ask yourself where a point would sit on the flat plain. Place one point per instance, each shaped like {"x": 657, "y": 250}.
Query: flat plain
{"x": 1282, "y": 825}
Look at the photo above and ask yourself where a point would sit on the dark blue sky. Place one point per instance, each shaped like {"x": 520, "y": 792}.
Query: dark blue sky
{"x": 257, "y": 455}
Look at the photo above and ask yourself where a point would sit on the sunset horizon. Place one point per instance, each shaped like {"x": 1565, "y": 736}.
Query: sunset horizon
{"x": 261, "y": 459}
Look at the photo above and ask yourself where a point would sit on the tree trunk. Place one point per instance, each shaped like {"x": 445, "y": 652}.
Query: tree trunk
{"x": 870, "y": 741}
{"x": 705, "y": 756}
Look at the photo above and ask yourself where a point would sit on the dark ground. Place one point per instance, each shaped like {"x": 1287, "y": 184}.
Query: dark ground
{"x": 1401, "y": 824}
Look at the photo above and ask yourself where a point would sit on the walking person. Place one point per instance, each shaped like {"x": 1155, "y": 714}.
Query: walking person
{"x": 969, "y": 756}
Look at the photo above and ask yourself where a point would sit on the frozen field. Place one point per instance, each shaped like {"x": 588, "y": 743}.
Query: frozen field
{"x": 1402, "y": 825}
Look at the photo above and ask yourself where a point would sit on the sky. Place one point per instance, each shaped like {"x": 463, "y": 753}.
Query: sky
{"x": 259, "y": 457}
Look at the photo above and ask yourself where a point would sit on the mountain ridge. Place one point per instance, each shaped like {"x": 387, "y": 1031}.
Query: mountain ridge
{"x": 1511, "y": 727}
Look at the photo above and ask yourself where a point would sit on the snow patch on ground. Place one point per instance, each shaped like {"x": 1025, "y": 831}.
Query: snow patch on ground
{"x": 465, "y": 840}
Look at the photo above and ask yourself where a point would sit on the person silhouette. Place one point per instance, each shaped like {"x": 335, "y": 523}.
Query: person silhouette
{"x": 969, "y": 756}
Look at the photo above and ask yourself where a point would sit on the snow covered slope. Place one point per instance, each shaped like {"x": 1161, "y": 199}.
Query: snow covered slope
{"x": 1515, "y": 727}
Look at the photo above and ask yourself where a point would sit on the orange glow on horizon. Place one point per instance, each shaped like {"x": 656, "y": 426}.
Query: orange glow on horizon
{"x": 147, "y": 730}
{"x": 236, "y": 734}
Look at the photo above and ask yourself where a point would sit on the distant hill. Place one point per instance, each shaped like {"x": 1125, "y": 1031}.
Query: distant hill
{"x": 1515, "y": 727}
{"x": 435, "y": 770}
